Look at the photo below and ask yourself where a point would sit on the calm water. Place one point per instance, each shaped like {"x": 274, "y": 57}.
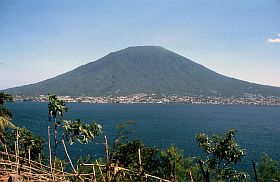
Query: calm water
{"x": 162, "y": 125}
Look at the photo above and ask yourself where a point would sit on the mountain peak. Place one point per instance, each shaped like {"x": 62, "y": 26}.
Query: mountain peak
{"x": 141, "y": 49}
{"x": 145, "y": 47}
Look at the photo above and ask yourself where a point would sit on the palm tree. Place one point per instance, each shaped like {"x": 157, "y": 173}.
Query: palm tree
{"x": 5, "y": 115}
{"x": 56, "y": 109}
{"x": 5, "y": 121}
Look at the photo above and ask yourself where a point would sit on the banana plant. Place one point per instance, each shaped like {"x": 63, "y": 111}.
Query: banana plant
{"x": 83, "y": 133}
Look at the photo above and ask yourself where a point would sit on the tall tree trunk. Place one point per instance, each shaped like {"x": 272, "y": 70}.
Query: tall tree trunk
{"x": 206, "y": 173}
{"x": 50, "y": 151}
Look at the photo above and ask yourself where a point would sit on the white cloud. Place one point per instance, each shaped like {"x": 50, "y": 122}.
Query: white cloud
{"x": 274, "y": 40}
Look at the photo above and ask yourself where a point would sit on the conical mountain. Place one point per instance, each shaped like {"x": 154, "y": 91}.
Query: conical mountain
{"x": 144, "y": 69}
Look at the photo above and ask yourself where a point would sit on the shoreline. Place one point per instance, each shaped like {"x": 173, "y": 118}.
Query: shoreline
{"x": 162, "y": 99}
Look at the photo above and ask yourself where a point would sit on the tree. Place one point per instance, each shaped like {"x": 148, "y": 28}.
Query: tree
{"x": 192, "y": 169}
{"x": 124, "y": 131}
{"x": 28, "y": 144}
{"x": 222, "y": 153}
{"x": 83, "y": 133}
{"x": 56, "y": 109}
{"x": 5, "y": 120}
{"x": 134, "y": 155}
{"x": 4, "y": 97}
{"x": 5, "y": 115}
{"x": 73, "y": 130}
{"x": 268, "y": 169}
{"x": 172, "y": 163}
{"x": 69, "y": 130}
{"x": 127, "y": 155}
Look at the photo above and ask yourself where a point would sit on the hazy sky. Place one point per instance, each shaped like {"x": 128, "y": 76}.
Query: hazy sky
{"x": 40, "y": 39}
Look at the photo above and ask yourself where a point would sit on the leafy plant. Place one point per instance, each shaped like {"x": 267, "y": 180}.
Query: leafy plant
{"x": 268, "y": 169}
{"x": 172, "y": 163}
{"x": 83, "y": 133}
{"x": 5, "y": 116}
{"x": 69, "y": 130}
{"x": 222, "y": 153}
{"x": 28, "y": 142}
{"x": 56, "y": 106}
{"x": 192, "y": 169}
{"x": 56, "y": 109}
{"x": 5, "y": 97}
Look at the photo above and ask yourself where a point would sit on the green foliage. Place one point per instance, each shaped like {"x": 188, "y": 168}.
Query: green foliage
{"x": 60, "y": 164}
{"x": 56, "y": 106}
{"x": 172, "y": 163}
{"x": 73, "y": 130}
{"x": 192, "y": 169}
{"x": 27, "y": 142}
{"x": 85, "y": 160}
{"x": 5, "y": 121}
{"x": 128, "y": 156}
{"x": 164, "y": 164}
{"x": 56, "y": 109}
{"x": 5, "y": 116}
{"x": 175, "y": 164}
{"x": 4, "y": 112}
{"x": 268, "y": 169}
{"x": 5, "y": 97}
{"x": 222, "y": 153}
{"x": 222, "y": 150}
{"x": 83, "y": 133}
{"x": 82, "y": 169}
{"x": 69, "y": 130}
{"x": 124, "y": 131}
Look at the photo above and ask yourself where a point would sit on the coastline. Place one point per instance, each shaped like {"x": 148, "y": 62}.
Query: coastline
{"x": 160, "y": 99}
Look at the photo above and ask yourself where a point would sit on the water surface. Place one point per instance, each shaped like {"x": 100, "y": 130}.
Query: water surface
{"x": 161, "y": 125}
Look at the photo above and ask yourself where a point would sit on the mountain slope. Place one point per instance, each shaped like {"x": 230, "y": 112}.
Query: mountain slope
{"x": 148, "y": 69}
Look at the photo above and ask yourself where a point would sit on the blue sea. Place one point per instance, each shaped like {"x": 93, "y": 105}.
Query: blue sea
{"x": 164, "y": 124}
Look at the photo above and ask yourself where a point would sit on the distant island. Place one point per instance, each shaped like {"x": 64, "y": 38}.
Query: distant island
{"x": 162, "y": 75}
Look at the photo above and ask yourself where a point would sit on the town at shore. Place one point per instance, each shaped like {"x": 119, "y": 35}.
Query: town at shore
{"x": 160, "y": 99}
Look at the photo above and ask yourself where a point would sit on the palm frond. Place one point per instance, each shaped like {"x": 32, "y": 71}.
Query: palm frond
{"x": 5, "y": 121}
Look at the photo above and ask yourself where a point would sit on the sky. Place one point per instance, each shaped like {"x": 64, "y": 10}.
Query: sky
{"x": 40, "y": 39}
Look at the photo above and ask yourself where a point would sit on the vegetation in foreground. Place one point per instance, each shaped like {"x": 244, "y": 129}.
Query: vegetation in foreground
{"x": 23, "y": 154}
